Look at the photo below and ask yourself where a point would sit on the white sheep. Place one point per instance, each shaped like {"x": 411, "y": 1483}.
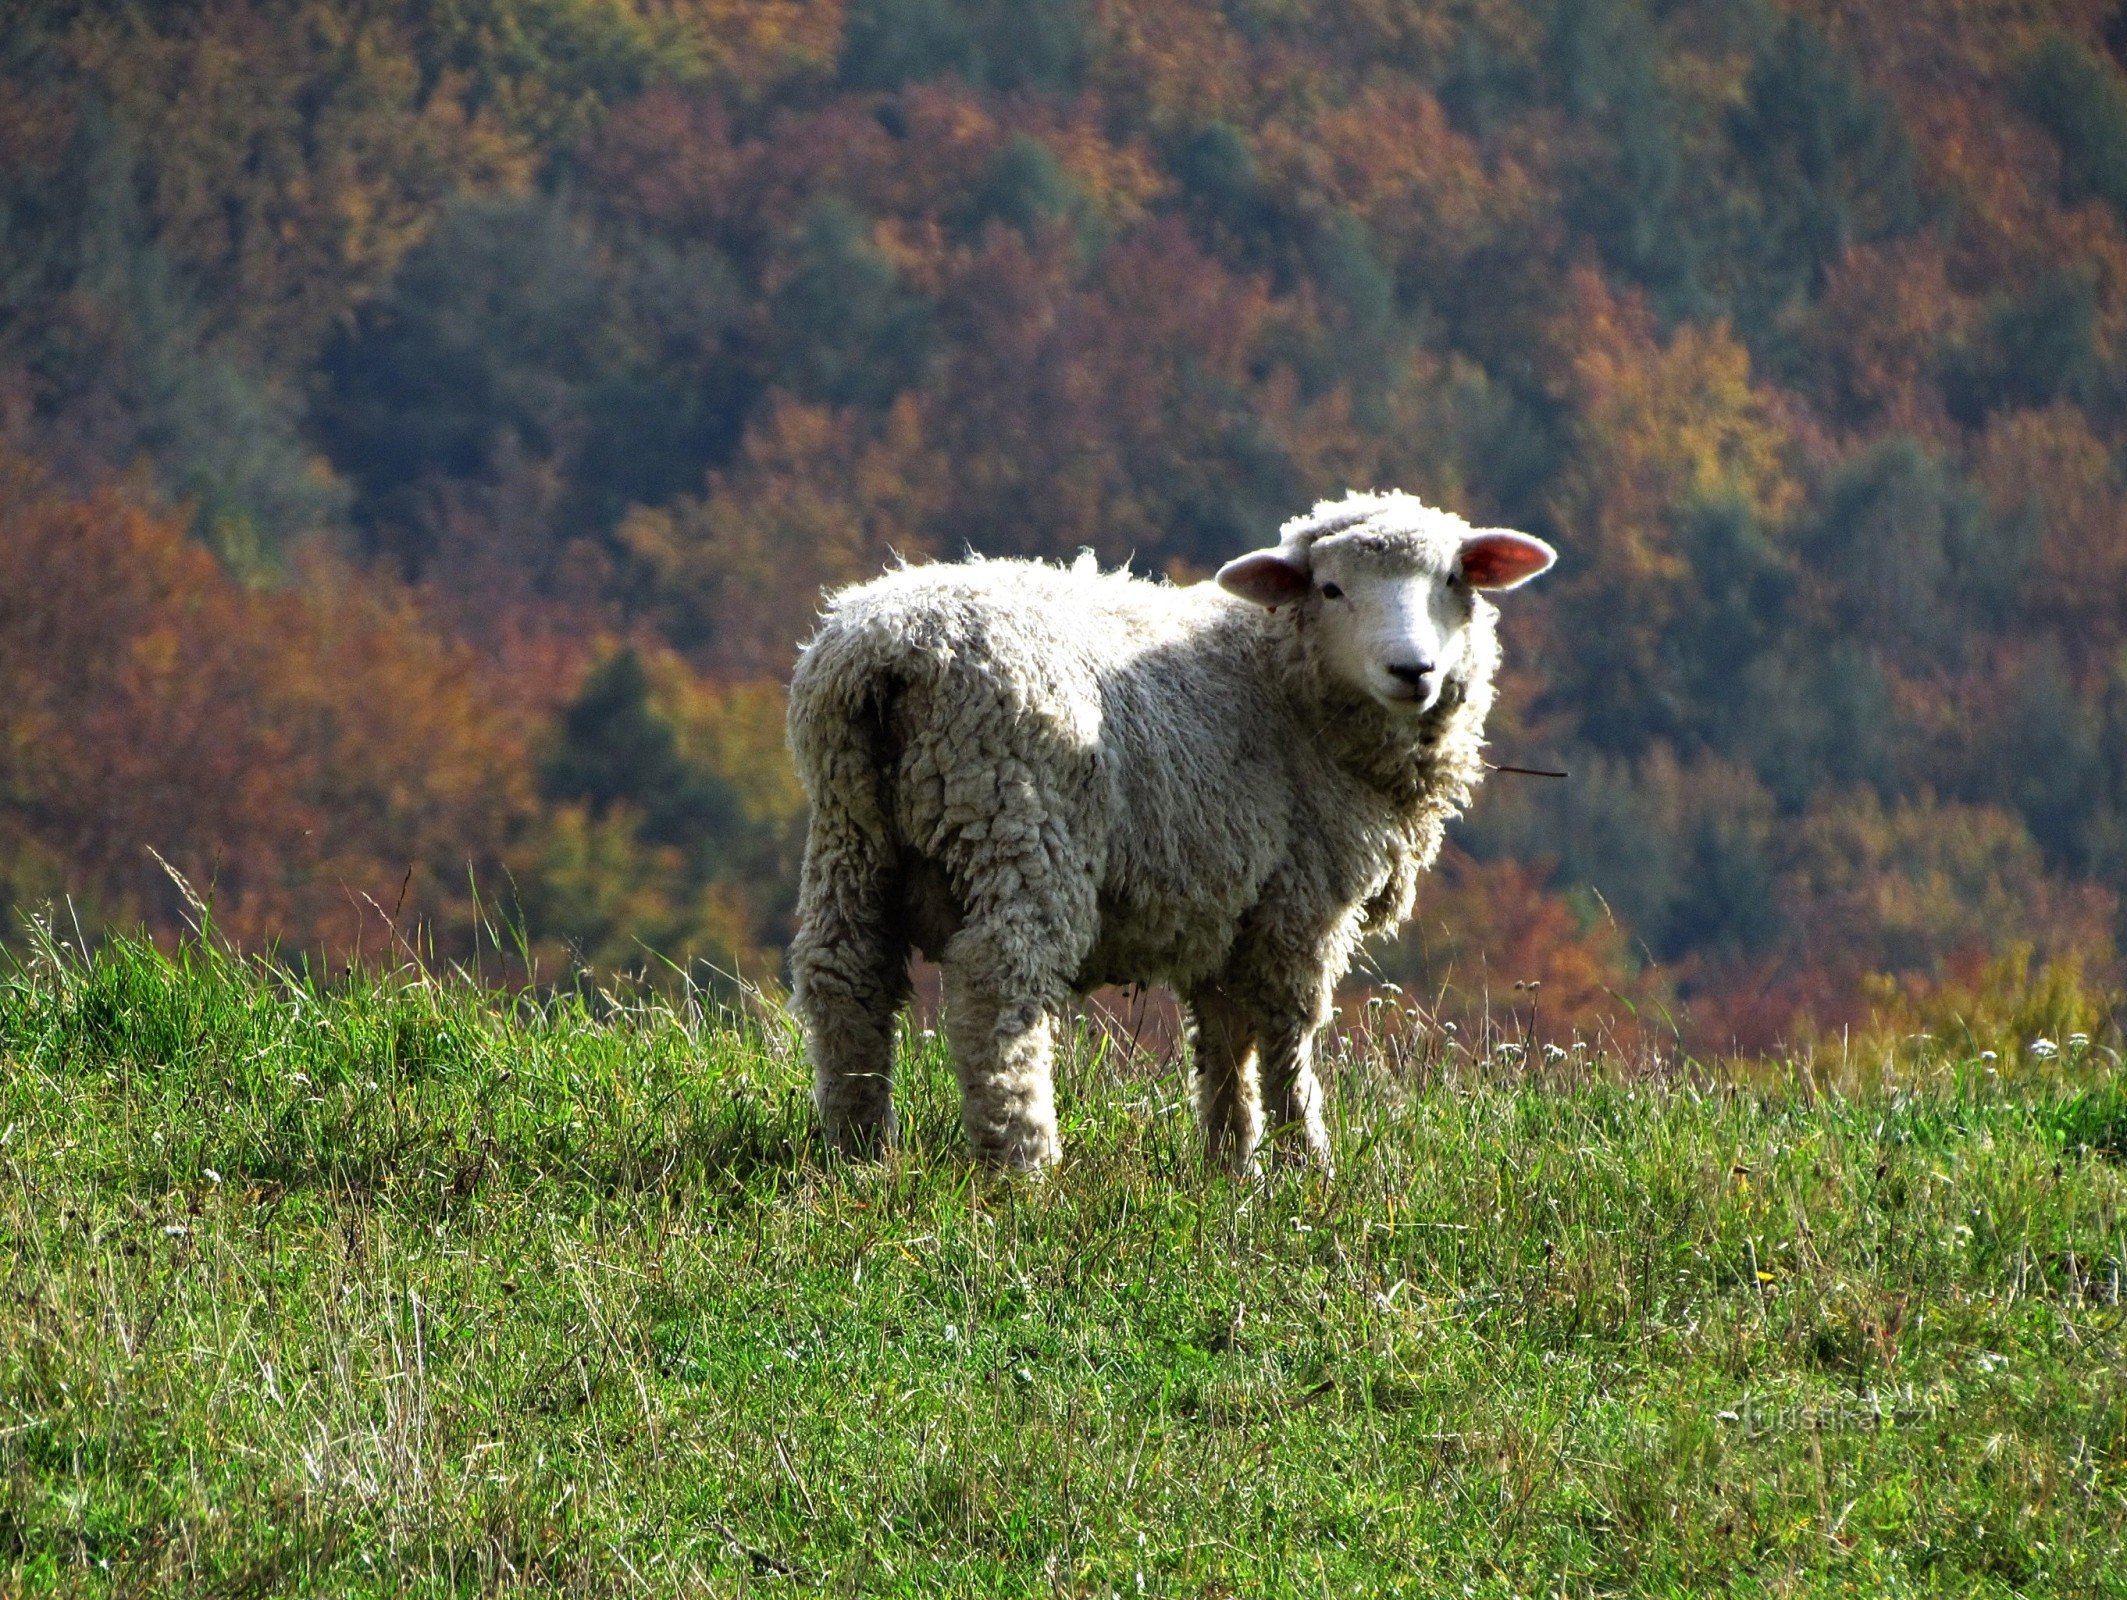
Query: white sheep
{"x": 1051, "y": 778}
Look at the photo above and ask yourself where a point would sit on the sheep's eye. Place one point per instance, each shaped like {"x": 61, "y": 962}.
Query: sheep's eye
{"x": 1331, "y": 592}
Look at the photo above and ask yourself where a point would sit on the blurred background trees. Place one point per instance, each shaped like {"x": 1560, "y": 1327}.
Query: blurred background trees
{"x": 428, "y": 429}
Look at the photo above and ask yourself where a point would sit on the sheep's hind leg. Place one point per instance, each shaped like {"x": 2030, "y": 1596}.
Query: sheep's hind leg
{"x": 849, "y": 978}
{"x": 999, "y": 995}
{"x": 1228, "y": 1104}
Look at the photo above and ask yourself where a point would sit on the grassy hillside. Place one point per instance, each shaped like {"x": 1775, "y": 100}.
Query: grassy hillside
{"x": 397, "y": 1287}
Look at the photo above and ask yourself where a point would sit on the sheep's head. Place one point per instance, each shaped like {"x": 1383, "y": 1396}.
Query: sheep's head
{"x": 1389, "y": 588}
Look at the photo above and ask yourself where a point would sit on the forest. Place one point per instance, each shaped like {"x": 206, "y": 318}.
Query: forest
{"x": 427, "y": 427}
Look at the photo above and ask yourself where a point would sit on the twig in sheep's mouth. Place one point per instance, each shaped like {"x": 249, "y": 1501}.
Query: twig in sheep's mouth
{"x": 1527, "y": 772}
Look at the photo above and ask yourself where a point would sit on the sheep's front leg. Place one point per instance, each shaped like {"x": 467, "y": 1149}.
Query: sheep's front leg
{"x": 1283, "y": 975}
{"x": 1292, "y": 1094}
{"x": 1228, "y": 1103}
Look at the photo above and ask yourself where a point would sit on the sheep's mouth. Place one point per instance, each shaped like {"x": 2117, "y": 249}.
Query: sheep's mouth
{"x": 1405, "y": 699}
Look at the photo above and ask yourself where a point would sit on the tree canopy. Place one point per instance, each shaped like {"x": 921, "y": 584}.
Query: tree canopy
{"x": 478, "y": 397}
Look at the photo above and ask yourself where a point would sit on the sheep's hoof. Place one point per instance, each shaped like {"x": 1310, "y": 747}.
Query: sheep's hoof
{"x": 1228, "y": 1157}
{"x": 1293, "y": 1150}
{"x": 859, "y": 1141}
{"x": 1030, "y": 1150}
{"x": 1237, "y": 1155}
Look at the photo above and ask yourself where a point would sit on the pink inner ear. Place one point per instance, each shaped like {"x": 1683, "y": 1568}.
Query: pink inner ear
{"x": 1266, "y": 577}
{"x": 1500, "y": 560}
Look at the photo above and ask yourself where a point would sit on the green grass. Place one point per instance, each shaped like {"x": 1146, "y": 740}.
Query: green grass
{"x": 394, "y": 1287}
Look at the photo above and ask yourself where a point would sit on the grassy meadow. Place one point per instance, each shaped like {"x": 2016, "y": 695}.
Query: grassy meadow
{"x": 394, "y": 1286}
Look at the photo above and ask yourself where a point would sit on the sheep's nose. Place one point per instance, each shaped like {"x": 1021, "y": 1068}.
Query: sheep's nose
{"x": 1410, "y": 672}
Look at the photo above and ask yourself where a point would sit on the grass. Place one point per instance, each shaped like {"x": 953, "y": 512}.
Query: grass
{"x": 395, "y": 1287}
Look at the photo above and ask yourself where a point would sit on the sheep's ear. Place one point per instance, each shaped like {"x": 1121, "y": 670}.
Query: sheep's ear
{"x": 1498, "y": 558}
{"x": 1267, "y": 577}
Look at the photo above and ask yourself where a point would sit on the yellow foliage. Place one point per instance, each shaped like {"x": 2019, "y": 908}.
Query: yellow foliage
{"x": 2053, "y": 463}
{"x": 2005, "y": 1006}
{"x": 753, "y": 42}
{"x": 1119, "y": 176}
{"x": 297, "y": 160}
{"x": 1181, "y": 59}
{"x": 734, "y": 730}
{"x": 616, "y": 897}
{"x": 1659, "y": 427}
{"x": 1909, "y": 886}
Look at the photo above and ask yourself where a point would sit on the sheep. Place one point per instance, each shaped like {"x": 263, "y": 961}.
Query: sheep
{"x": 1050, "y": 778}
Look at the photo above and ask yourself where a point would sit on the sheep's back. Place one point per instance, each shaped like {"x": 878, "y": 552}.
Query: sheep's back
{"x": 1104, "y": 728}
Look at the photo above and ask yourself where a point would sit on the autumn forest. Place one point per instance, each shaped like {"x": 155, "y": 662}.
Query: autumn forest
{"x": 427, "y": 426}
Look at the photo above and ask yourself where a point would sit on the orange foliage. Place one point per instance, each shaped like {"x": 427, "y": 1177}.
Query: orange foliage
{"x": 1077, "y": 414}
{"x": 1262, "y": 261}
{"x": 1878, "y": 332}
{"x": 1945, "y": 66}
{"x": 1389, "y": 155}
{"x": 299, "y": 754}
{"x": 669, "y": 160}
{"x": 1177, "y": 59}
{"x": 816, "y": 499}
{"x": 676, "y": 161}
{"x": 1490, "y": 944}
